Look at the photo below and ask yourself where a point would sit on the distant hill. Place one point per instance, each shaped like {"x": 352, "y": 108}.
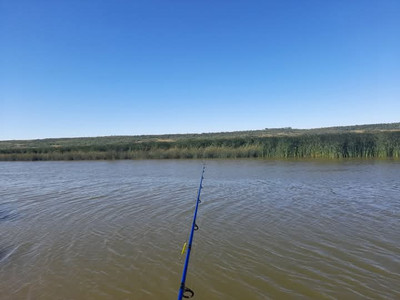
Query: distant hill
{"x": 372, "y": 140}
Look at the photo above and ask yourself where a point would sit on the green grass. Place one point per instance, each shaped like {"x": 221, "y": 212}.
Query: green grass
{"x": 361, "y": 141}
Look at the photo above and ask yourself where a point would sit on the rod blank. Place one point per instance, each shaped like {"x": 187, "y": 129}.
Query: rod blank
{"x": 183, "y": 290}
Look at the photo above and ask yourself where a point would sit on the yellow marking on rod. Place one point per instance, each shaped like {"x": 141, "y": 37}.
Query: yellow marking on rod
{"x": 183, "y": 249}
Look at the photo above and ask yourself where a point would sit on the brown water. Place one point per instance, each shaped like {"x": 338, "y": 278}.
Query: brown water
{"x": 268, "y": 230}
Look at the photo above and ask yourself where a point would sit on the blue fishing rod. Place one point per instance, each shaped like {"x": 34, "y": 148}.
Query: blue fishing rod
{"x": 184, "y": 291}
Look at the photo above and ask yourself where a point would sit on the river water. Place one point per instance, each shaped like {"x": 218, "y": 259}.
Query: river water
{"x": 268, "y": 229}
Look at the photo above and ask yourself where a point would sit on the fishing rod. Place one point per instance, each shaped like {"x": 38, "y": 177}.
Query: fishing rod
{"x": 184, "y": 291}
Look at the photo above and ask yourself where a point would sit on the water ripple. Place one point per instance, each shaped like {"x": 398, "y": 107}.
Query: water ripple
{"x": 268, "y": 230}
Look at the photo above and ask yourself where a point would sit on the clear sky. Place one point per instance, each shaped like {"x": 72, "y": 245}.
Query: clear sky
{"x": 122, "y": 67}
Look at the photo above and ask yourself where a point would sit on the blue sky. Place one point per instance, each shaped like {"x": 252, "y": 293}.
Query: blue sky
{"x": 94, "y": 68}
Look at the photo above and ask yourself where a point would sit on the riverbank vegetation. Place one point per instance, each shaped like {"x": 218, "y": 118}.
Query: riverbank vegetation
{"x": 363, "y": 141}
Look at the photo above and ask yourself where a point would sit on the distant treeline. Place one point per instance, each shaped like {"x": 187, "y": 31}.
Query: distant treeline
{"x": 385, "y": 144}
